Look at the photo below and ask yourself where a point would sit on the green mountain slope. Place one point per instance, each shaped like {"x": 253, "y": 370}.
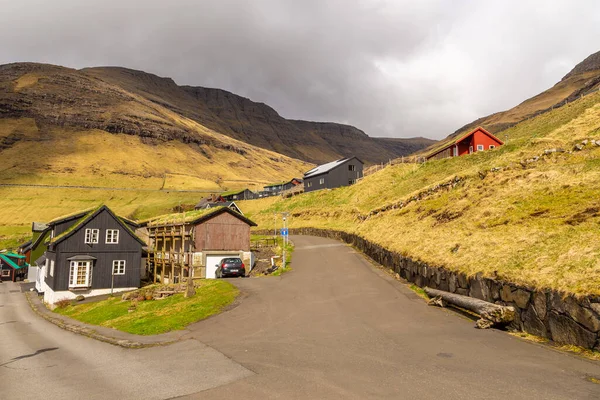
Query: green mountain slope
{"x": 522, "y": 212}
{"x": 580, "y": 81}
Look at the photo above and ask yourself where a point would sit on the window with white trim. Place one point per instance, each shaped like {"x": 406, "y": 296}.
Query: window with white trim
{"x": 6, "y": 272}
{"x": 309, "y": 184}
{"x": 480, "y": 147}
{"x": 91, "y": 236}
{"x": 46, "y": 267}
{"x": 455, "y": 151}
{"x": 112, "y": 236}
{"x": 492, "y": 147}
{"x": 119, "y": 267}
{"x": 351, "y": 167}
{"x": 321, "y": 181}
{"x": 80, "y": 274}
{"x": 51, "y": 267}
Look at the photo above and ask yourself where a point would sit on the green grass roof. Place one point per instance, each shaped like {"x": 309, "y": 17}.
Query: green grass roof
{"x": 232, "y": 192}
{"x": 184, "y": 217}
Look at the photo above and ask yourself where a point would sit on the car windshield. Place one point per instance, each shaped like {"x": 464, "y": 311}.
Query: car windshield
{"x": 232, "y": 261}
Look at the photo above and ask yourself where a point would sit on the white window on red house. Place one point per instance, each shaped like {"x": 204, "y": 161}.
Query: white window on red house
{"x": 112, "y": 236}
{"x": 91, "y": 236}
{"x": 119, "y": 267}
{"x": 79, "y": 274}
{"x": 480, "y": 147}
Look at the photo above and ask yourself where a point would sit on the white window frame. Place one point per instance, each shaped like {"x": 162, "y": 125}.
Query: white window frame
{"x": 5, "y": 273}
{"x": 92, "y": 236}
{"x": 480, "y": 147}
{"x": 74, "y": 267}
{"x": 492, "y": 147}
{"x": 309, "y": 184}
{"x": 114, "y": 237}
{"x": 119, "y": 267}
{"x": 352, "y": 167}
{"x": 455, "y": 151}
{"x": 470, "y": 149}
{"x": 322, "y": 181}
{"x": 46, "y": 267}
{"x": 51, "y": 267}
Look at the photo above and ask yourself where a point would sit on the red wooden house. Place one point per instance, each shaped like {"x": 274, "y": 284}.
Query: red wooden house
{"x": 476, "y": 140}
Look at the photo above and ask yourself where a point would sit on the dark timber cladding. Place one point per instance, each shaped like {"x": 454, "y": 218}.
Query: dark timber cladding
{"x": 343, "y": 172}
{"x": 71, "y": 245}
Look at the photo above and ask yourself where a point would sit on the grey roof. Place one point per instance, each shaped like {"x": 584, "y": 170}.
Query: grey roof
{"x": 38, "y": 226}
{"x": 41, "y": 261}
{"x": 321, "y": 169}
{"x": 81, "y": 258}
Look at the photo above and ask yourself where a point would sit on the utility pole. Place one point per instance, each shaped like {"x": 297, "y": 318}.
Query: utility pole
{"x": 284, "y": 236}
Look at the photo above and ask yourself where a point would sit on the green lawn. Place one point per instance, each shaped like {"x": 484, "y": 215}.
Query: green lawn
{"x": 155, "y": 316}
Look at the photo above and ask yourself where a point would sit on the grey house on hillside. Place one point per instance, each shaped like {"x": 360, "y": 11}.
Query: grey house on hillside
{"x": 335, "y": 174}
{"x": 91, "y": 254}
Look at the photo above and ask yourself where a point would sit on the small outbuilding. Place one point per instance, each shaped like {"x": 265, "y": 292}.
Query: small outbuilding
{"x": 477, "y": 140}
{"x": 12, "y": 267}
{"x": 343, "y": 172}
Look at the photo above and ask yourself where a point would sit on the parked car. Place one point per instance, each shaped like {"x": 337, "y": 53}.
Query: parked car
{"x": 231, "y": 267}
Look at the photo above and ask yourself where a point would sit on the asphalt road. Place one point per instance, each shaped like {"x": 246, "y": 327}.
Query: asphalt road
{"x": 334, "y": 327}
{"x": 338, "y": 328}
{"x": 38, "y": 360}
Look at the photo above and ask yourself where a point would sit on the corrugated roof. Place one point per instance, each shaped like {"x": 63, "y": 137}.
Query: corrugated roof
{"x": 321, "y": 169}
{"x": 10, "y": 262}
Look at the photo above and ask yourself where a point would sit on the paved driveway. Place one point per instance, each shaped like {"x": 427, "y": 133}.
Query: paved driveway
{"x": 335, "y": 327}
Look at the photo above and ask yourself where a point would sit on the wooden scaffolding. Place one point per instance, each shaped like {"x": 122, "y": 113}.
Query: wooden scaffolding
{"x": 172, "y": 251}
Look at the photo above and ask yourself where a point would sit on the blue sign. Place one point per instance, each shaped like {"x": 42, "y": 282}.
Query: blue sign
{"x": 284, "y": 232}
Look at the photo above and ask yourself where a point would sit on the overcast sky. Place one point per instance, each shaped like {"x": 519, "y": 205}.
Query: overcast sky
{"x": 396, "y": 68}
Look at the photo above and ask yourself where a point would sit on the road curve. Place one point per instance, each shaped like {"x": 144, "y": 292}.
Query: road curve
{"x": 336, "y": 327}
{"x": 333, "y": 328}
{"x": 38, "y": 360}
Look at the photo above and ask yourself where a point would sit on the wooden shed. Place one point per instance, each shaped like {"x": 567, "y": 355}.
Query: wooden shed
{"x": 192, "y": 241}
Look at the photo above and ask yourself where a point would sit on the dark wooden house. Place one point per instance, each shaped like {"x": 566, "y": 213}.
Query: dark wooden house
{"x": 277, "y": 188}
{"x": 12, "y": 267}
{"x": 195, "y": 241}
{"x": 94, "y": 253}
{"x": 335, "y": 174}
{"x": 242, "y": 194}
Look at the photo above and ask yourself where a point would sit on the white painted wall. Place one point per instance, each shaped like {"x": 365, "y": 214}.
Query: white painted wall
{"x": 51, "y": 297}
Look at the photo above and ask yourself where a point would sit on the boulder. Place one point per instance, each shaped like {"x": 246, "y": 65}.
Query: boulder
{"x": 564, "y": 330}
{"x": 463, "y": 282}
{"x": 521, "y": 298}
{"x": 452, "y": 283}
{"x": 506, "y": 293}
{"x": 532, "y": 323}
{"x": 539, "y": 302}
{"x": 581, "y": 314}
{"x": 79, "y": 298}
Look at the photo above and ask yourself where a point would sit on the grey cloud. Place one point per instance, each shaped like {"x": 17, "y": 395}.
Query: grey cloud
{"x": 392, "y": 68}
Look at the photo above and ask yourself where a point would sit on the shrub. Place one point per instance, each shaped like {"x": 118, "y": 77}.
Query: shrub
{"x": 63, "y": 303}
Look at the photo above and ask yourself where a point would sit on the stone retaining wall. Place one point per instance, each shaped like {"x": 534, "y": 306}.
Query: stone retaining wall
{"x": 550, "y": 314}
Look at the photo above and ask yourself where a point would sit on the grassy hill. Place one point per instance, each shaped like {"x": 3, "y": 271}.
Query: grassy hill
{"x": 582, "y": 80}
{"x": 514, "y": 213}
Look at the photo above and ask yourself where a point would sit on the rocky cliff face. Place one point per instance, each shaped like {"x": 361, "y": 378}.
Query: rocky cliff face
{"x": 591, "y": 63}
{"x": 252, "y": 122}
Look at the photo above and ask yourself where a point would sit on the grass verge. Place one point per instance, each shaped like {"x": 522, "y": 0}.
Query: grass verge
{"x": 155, "y": 316}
